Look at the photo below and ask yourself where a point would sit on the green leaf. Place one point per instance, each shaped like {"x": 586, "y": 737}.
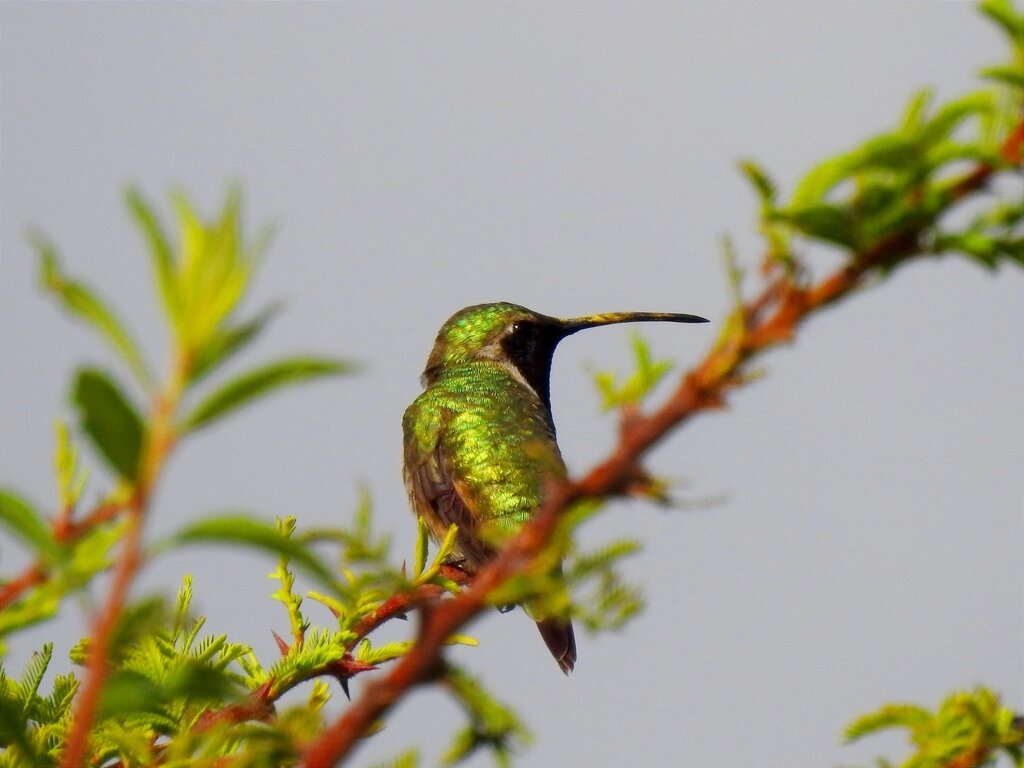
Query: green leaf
{"x": 138, "y": 620}
{"x": 215, "y": 269}
{"x": 286, "y": 594}
{"x": 885, "y": 152}
{"x": 760, "y": 180}
{"x": 443, "y": 554}
{"x": 226, "y": 342}
{"x": 70, "y": 481}
{"x": 913, "y": 117}
{"x": 420, "y": 553}
{"x": 110, "y": 421}
{"x": 160, "y": 249}
{"x": 196, "y": 681}
{"x": 978, "y": 246}
{"x": 16, "y": 704}
{"x": 128, "y": 692}
{"x": 20, "y": 519}
{"x": 248, "y": 531}
{"x": 365, "y": 652}
{"x": 35, "y": 670}
{"x": 492, "y": 725}
{"x": 949, "y": 116}
{"x": 823, "y": 222}
{"x": 257, "y": 383}
{"x": 817, "y": 182}
{"x": 945, "y": 152}
{"x": 80, "y": 302}
{"x": 15, "y": 741}
{"x": 889, "y": 716}
{"x": 645, "y": 377}
{"x": 1010, "y": 75}
{"x": 1002, "y": 13}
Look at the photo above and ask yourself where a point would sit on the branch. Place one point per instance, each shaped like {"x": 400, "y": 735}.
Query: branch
{"x": 769, "y": 319}
{"x": 98, "y": 665}
{"x": 12, "y": 590}
{"x": 65, "y": 531}
{"x": 399, "y": 605}
{"x": 258, "y": 705}
{"x": 159, "y": 442}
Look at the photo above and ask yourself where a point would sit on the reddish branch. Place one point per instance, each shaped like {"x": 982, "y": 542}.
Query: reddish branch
{"x": 159, "y": 442}
{"x": 769, "y": 319}
{"x": 259, "y": 705}
{"x": 401, "y": 604}
{"x": 65, "y": 531}
{"x": 98, "y": 666}
{"x": 12, "y": 590}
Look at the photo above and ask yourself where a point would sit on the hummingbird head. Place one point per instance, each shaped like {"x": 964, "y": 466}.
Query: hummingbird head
{"x": 518, "y": 339}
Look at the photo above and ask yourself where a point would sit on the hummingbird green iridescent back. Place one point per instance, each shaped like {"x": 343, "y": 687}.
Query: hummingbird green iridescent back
{"x": 479, "y": 442}
{"x": 483, "y": 435}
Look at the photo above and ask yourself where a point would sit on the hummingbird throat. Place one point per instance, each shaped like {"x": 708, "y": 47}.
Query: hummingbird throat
{"x": 530, "y": 349}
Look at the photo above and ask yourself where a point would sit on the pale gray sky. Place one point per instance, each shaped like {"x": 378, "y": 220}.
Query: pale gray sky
{"x": 574, "y": 158}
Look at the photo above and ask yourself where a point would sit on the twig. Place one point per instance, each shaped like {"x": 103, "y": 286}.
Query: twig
{"x": 259, "y": 703}
{"x": 98, "y": 666}
{"x": 11, "y": 591}
{"x": 159, "y": 442}
{"x": 65, "y": 530}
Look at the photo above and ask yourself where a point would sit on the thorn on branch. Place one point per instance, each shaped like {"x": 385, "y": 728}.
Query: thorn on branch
{"x": 282, "y": 646}
{"x": 345, "y": 669}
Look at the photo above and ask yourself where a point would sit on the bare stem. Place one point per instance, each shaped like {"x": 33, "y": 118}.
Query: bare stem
{"x": 159, "y": 442}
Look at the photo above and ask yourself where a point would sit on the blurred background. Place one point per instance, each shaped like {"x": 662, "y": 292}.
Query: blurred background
{"x": 574, "y": 158}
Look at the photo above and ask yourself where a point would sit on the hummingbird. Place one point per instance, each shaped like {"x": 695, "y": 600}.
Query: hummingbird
{"x": 479, "y": 441}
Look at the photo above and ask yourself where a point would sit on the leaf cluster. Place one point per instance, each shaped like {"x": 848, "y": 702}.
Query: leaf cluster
{"x": 900, "y": 185}
{"x": 160, "y": 678}
{"x": 62, "y": 567}
{"x": 32, "y": 726}
{"x": 647, "y": 374}
{"x": 492, "y": 725}
{"x": 201, "y": 285}
{"x": 970, "y": 728}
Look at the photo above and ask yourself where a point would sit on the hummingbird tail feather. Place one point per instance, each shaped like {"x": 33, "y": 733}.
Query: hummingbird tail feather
{"x": 561, "y": 641}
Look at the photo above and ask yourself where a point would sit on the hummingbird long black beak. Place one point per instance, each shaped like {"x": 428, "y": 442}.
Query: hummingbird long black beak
{"x": 574, "y": 324}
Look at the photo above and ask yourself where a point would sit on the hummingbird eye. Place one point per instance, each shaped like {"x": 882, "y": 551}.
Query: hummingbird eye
{"x": 519, "y": 339}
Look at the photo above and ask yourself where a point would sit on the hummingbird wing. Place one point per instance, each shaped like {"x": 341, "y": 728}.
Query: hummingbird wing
{"x": 442, "y": 499}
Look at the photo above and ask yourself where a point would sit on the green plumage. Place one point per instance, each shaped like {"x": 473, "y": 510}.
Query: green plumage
{"x": 480, "y": 440}
{"x": 493, "y": 433}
